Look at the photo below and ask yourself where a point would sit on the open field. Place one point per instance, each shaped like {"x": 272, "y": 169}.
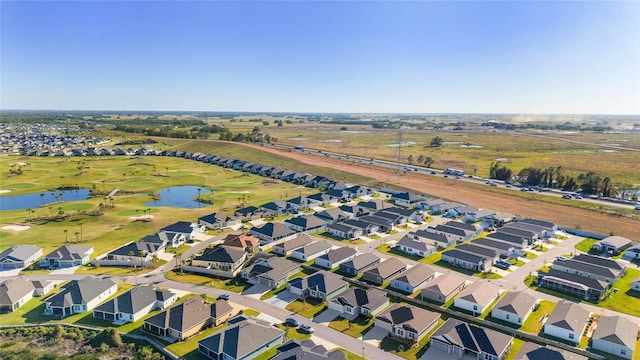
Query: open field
{"x": 575, "y": 152}
{"x": 534, "y": 206}
{"x": 115, "y": 227}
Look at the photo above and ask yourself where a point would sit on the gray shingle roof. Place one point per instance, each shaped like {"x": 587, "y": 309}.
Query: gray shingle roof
{"x": 516, "y": 303}
{"x": 371, "y": 298}
{"x": 133, "y": 300}
{"x": 221, "y": 254}
{"x": 19, "y": 252}
{"x": 339, "y": 254}
{"x": 322, "y": 281}
{"x": 241, "y": 339}
{"x": 617, "y": 330}
{"x": 416, "y": 275}
{"x": 446, "y": 284}
{"x": 472, "y": 337}
{"x": 568, "y": 315}
{"x": 480, "y": 292}
{"x": 13, "y": 290}
{"x": 387, "y": 267}
{"x": 313, "y": 248}
{"x": 409, "y": 317}
{"x": 80, "y": 291}
{"x": 69, "y": 252}
{"x": 294, "y": 243}
{"x": 362, "y": 261}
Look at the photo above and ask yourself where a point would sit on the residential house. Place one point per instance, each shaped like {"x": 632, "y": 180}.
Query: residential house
{"x": 359, "y": 264}
{"x": 514, "y": 307}
{"x": 612, "y": 245}
{"x": 500, "y": 219}
{"x": 300, "y": 203}
{"x": 384, "y": 271}
{"x": 414, "y": 215}
{"x": 335, "y": 257}
{"x": 19, "y": 256}
{"x": 311, "y": 251}
{"x": 366, "y": 227}
{"x": 447, "y": 208}
{"x": 67, "y": 256}
{"x": 410, "y": 280}
{"x": 502, "y": 248}
{"x": 249, "y": 213}
{"x": 271, "y": 232}
{"x": 396, "y": 219}
{"x": 576, "y": 285}
{"x": 467, "y": 260}
{"x": 218, "y": 221}
{"x": 162, "y": 240}
{"x": 615, "y": 335}
{"x": 443, "y": 288}
{"x": 469, "y": 228}
{"x": 42, "y": 287}
{"x": 631, "y": 254}
{"x": 588, "y": 269}
{"x": 407, "y": 199}
{"x": 462, "y": 211}
{"x": 342, "y": 231}
{"x": 320, "y": 199}
{"x": 242, "y": 241}
{"x": 519, "y": 243}
{"x": 221, "y": 311}
{"x": 285, "y": 248}
{"x": 339, "y": 195}
{"x": 479, "y": 215}
{"x": 276, "y": 208}
{"x": 222, "y": 260}
{"x": 452, "y": 233}
{"x": 480, "y": 250}
{"x": 548, "y": 226}
{"x": 635, "y": 284}
{"x": 438, "y": 240}
{"x": 134, "y": 304}
{"x": 243, "y": 340}
{"x": 357, "y": 301}
{"x": 383, "y": 224}
{"x": 319, "y": 285}
{"x": 306, "y": 349}
{"x": 15, "y": 293}
{"x": 533, "y": 232}
{"x": 477, "y": 297}
{"x": 354, "y": 211}
{"x": 567, "y": 321}
{"x": 407, "y": 322}
{"x": 186, "y": 228}
{"x": 79, "y": 296}
{"x": 533, "y": 351}
{"x": 357, "y": 191}
{"x": 374, "y": 205}
{"x": 459, "y": 338}
{"x": 180, "y": 321}
{"x": 272, "y": 272}
{"x": 333, "y": 215}
{"x": 137, "y": 254}
{"x": 306, "y": 223}
{"x": 410, "y": 246}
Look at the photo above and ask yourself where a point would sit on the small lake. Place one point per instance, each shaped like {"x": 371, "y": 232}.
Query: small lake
{"x": 19, "y": 202}
{"x": 180, "y": 196}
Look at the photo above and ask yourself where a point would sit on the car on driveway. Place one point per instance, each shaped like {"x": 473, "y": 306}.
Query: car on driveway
{"x": 306, "y": 328}
{"x": 291, "y": 322}
{"x": 224, "y": 296}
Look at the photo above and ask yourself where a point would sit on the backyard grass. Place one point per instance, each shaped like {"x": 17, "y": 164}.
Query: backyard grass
{"x": 533, "y": 324}
{"x": 622, "y": 300}
{"x": 513, "y": 350}
{"x": 311, "y": 308}
{"x": 355, "y": 328}
{"x": 585, "y": 245}
{"x": 350, "y": 355}
{"x": 117, "y": 270}
{"x": 236, "y": 284}
{"x": 188, "y": 349}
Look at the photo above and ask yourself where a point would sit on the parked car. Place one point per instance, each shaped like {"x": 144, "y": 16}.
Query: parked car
{"x": 291, "y": 322}
{"x": 503, "y": 264}
{"x": 306, "y": 328}
{"x": 224, "y": 296}
{"x": 433, "y": 173}
{"x": 561, "y": 258}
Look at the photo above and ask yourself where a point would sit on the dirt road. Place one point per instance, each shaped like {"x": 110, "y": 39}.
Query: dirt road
{"x": 477, "y": 196}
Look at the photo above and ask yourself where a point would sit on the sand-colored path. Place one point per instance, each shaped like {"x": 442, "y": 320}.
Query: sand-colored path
{"x": 477, "y": 195}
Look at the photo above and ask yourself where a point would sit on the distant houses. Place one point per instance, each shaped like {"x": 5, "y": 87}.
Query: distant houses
{"x": 67, "y": 256}
{"x": 19, "y": 256}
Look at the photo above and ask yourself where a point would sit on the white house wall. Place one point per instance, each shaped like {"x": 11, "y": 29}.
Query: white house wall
{"x": 561, "y": 333}
{"x": 611, "y": 348}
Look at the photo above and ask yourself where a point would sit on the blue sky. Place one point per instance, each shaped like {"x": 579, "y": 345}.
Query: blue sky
{"x": 474, "y": 56}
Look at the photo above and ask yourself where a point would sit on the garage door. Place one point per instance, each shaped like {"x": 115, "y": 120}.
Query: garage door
{"x": 440, "y": 345}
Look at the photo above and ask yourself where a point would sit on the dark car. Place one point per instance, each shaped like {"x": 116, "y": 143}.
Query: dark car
{"x": 291, "y": 322}
{"x": 224, "y": 296}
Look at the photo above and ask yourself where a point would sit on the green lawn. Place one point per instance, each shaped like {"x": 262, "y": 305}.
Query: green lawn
{"x": 623, "y": 301}
{"x": 513, "y": 350}
{"x": 308, "y": 309}
{"x": 273, "y": 292}
{"x": 188, "y": 348}
{"x": 529, "y": 255}
{"x": 585, "y": 245}
{"x": 293, "y": 333}
{"x": 350, "y": 355}
{"x": 117, "y": 270}
{"x": 355, "y": 328}
{"x": 533, "y": 324}
{"x": 236, "y": 284}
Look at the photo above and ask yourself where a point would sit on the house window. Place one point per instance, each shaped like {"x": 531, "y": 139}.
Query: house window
{"x": 571, "y": 336}
{"x": 507, "y": 316}
{"x": 400, "y": 332}
{"x": 475, "y": 307}
{"x": 623, "y": 351}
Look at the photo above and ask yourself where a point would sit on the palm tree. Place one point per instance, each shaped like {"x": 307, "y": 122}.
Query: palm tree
{"x": 42, "y": 198}
{"x": 77, "y": 233}
{"x": 51, "y": 210}
{"x": 29, "y": 213}
{"x": 199, "y": 192}
{"x": 137, "y": 213}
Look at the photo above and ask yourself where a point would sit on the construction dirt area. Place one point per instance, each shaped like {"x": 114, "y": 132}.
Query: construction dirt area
{"x": 473, "y": 194}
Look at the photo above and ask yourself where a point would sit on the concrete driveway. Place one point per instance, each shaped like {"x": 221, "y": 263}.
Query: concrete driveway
{"x": 65, "y": 271}
{"x": 326, "y": 316}
{"x": 256, "y": 290}
{"x": 375, "y": 335}
{"x": 282, "y": 299}
{"x": 12, "y": 272}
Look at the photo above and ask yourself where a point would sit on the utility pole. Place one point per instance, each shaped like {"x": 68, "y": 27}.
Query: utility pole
{"x": 399, "y": 152}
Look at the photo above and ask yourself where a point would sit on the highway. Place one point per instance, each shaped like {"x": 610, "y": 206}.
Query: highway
{"x": 402, "y": 168}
